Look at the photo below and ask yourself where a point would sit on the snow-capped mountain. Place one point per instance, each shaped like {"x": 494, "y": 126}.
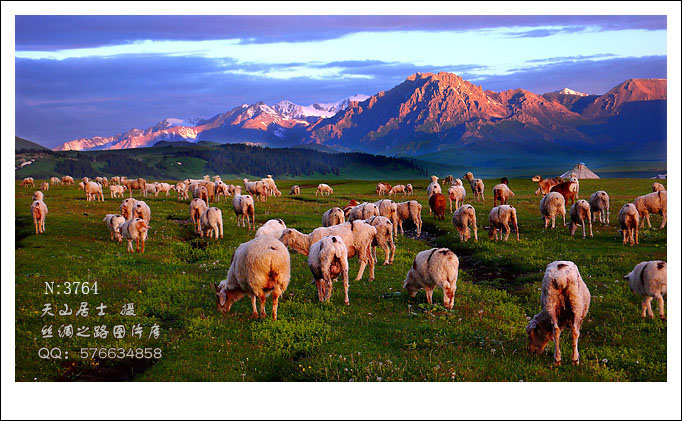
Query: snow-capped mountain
{"x": 316, "y": 110}
{"x": 567, "y": 91}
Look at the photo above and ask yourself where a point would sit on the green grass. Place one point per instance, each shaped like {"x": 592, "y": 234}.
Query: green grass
{"x": 382, "y": 335}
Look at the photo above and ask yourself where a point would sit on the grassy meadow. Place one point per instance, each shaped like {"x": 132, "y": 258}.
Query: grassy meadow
{"x": 382, "y": 336}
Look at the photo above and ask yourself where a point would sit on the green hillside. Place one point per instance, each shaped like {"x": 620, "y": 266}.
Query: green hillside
{"x": 23, "y": 144}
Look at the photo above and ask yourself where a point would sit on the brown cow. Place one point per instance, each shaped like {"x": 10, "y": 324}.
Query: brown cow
{"x": 546, "y": 184}
{"x": 567, "y": 190}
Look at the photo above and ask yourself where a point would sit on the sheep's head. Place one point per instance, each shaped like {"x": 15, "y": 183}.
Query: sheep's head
{"x": 411, "y": 288}
{"x": 287, "y": 236}
{"x": 538, "y": 336}
{"x": 537, "y": 179}
{"x": 469, "y": 176}
{"x": 434, "y": 178}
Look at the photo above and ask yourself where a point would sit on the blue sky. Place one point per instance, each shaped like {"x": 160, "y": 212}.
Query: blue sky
{"x": 84, "y": 76}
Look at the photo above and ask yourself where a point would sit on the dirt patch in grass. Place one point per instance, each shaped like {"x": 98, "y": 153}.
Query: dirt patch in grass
{"x": 103, "y": 371}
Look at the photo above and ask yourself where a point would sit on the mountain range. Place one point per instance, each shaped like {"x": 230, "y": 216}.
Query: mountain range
{"x": 430, "y": 113}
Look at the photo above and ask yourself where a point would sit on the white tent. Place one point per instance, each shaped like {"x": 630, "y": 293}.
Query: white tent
{"x": 660, "y": 177}
{"x": 580, "y": 171}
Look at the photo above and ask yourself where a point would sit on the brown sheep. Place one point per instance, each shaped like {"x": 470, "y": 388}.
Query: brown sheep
{"x": 438, "y": 205}
{"x": 545, "y": 185}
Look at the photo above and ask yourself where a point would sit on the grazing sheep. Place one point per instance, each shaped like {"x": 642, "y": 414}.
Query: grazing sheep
{"x": 93, "y": 191}
{"x": 456, "y": 193}
{"x": 259, "y": 268}
{"x": 324, "y": 189}
{"x": 135, "y": 230}
{"x": 163, "y": 188}
{"x": 438, "y": 205}
{"x": 384, "y": 238}
{"x": 398, "y": 188}
{"x": 116, "y": 191}
{"x": 56, "y": 180}
{"x": 114, "y": 223}
{"x": 477, "y": 187}
{"x": 463, "y": 216}
{"x": 383, "y": 188}
{"x": 447, "y": 181}
{"x": 81, "y": 186}
{"x": 599, "y": 205}
{"x": 410, "y": 210}
{"x": 98, "y": 179}
{"x": 272, "y": 187}
{"x": 234, "y": 190}
{"x": 150, "y": 189}
{"x": 363, "y": 211}
{"x": 657, "y": 187}
{"x": 45, "y": 186}
{"x": 409, "y": 190}
{"x": 38, "y": 195}
{"x": 127, "y": 208}
{"x": 333, "y": 216}
{"x": 628, "y": 217}
{"x": 142, "y": 211}
{"x": 650, "y": 280}
{"x": 358, "y": 237}
{"x": 244, "y": 209}
{"x": 200, "y": 192}
{"x": 39, "y": 214}
{"x": 211, "y": 221}
{"x": 434, "y": 268}
{"x": 28, "y": 181}
{"x": 256, "y": 188}
{"x": 273, "y": 228}
{"x": 182, "y": 190}
{"x": 197, "y": 207}
{"x": 105, "y": 182}
{"x": 67, "y": 179}
{"x": 652, "y": 203}
{"x": 551, "y": 205}
{"x": 116, "y": 180}
{"x": 389, "y": 209}
{"x": 295, "y": 190}
{"x": 501, "y": 192}
{"x": 221, "y": 190}
{"x": 499, "y": 219}
{"x": 580, "y": 215}
{"x": 565, "y": 301}
{"x": 139, "y": 184}
{"x": 328, "y": 258}
{"x": 545, "y": 185}
{"x": 568, "y": 189}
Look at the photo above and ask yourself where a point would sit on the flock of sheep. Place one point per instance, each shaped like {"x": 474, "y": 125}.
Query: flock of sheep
{"x": 261, "y": 267}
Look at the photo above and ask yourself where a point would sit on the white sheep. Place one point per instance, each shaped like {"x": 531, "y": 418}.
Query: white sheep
{"x": 551, "y": 205}
{"x": 44, "y": 186}
{"x": 409, "y": 190}
{"x": 324, "y": 189}
{"x": 657, "y": 187}
{"x": 141, "y": 210}
{"x": 221, "y": 189}
{"x": 135, "y": 230}
{"x": 501, "y": 192}
{"x": 565, "y": 301}
{"x": 127, "y": 208}
{"x": 328, "y": 258}
{"x": 461, "y": 219}
{"x": 257, "y": 188}
{"x": 398, "y": 188}
{"x": 389, "y": 209}
{"x": 362, "y": 211}
{"x": 244, "y": 209}
{"x": 652, "y": 203}
{"x": 259, "y": 268}
{"x": 272, "y": 187}
{"x": 56, "y": 180}
{"x": 93, "y": 191}
{"x": 38, "y": 195}
{"x": 234, "y": 190}
{"x": 433, "y": 188}
{"x": 499, "y": 219}
{"x": 358, "y": 237}
{"x": 434, "y": 268}
{"x": 599, "y": 206}
{"x": 182, "y": 190}
{"x": 410, "y": 210}
{"x": 384, "y": 238}
{"x": 456, "y": 193}
{"x": 39, "y": 214}
{"x": 197, "y": 207}
{"x": 199, "y": 192}
{"x": 333, "y": 216}
{"x": 650, "y": 280}
{"x": 628, "y": 217}
{"x": 295, "y": 190}
{"x": 211, "y": 221}
{"x": 579, "y": 216}
{"x": 163, "y": 188}
{"x": 273, "y": 228}
{"x": 457, "y": 182}
{"x": 114, "y": 223}
{"x": 116, "y": 191}
{"x": 477, "y": 186}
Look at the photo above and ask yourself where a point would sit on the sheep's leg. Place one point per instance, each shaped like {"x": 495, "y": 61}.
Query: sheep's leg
{"x": 508, "y": 231}
{"x": 575, "y": 358}
{"x": 318, "y": 283}
{"x": 546, "y": 221}
{"x": 553, "y": 221}
{"x": 142, "y": 246}
{"x": 661, "y": 306}
{"x": 644, "y": 308}
{"x": 563, "y": 215}
{"x": 557, "y": 350}
{"x": 130, "y": 246}
{"x": 392, "y": 245}
{"x": 401, "y": 227}
{"x": 429, "y": 295}
{"x": 275, "y": 302}
{"x": 329, "y": 289}
{"x": 254, "y": 312}
{"x": 590, "y": 221}
{"x": 221, "y": 228}
{"x": 387, "y": 252}
{"x": 262, "y": 298}
{"x": 648, "y": 221}
{"x": 583, "y": 224}
{"x": 35, "y": 223}
{"x": 649, "y": 311}
{"x": 664, "y": 220}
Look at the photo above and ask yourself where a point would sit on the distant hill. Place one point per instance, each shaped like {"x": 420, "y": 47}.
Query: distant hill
{"x": 24, "y": 144}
